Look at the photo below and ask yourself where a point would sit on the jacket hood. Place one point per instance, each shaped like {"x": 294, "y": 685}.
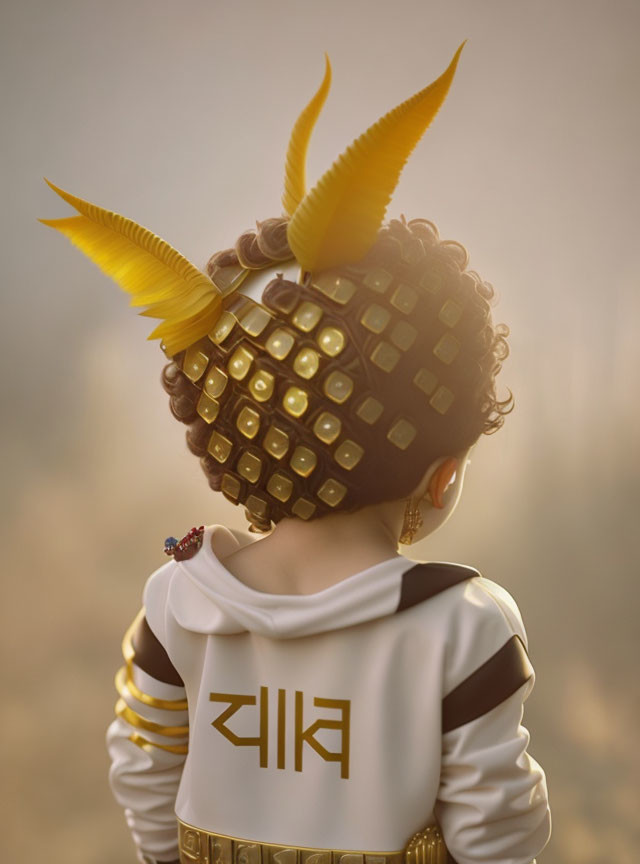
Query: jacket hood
{"x": 205, "y": 597}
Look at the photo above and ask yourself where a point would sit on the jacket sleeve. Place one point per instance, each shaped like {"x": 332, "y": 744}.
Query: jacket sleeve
{"x": 148, "y": 743}
{"x": 492, "y": 802}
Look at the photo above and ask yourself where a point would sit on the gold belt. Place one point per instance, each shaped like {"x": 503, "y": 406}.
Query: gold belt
{"x": 204, "y": 847}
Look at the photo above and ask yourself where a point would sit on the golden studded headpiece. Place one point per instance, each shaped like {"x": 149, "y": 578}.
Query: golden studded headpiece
{"x": 299, "y": 358}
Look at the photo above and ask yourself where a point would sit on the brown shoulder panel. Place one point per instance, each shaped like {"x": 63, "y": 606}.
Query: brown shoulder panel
{"x": 151, "y": 657}
{"x": 488, "y": 686}
{"x": 426, "y": 580}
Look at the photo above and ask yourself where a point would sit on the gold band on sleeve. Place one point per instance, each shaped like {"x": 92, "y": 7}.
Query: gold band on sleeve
{"x": 144, "y": 744}
{"x": 135, "y": 719}
{"x": 129, "y": 691}
{"x": 125, "y": 682}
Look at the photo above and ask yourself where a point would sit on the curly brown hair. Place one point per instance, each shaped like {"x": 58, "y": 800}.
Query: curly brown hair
{"x": 425, "y": 389}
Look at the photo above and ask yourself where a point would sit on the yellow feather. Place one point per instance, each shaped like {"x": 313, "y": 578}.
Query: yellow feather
{"x": 338, "y": 220}
{"x": 148, "y": 268}
{"x": 295, "y": 166}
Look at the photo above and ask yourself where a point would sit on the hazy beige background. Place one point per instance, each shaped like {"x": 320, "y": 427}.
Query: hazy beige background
{"x": 178, "y": 115}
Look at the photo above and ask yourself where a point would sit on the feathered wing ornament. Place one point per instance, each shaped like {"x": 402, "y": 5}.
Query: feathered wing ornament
{"x": 295, "y": 163}
{"x": 338, "y": 220}
{"x": 145, "y": 266}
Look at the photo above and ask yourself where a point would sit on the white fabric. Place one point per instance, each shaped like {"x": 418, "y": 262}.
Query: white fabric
{"x": 393, "y": 670}
{"x": 145, "y": 781}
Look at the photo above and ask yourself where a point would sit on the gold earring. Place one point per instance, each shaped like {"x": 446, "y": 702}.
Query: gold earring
{"x": 412, "y": 521}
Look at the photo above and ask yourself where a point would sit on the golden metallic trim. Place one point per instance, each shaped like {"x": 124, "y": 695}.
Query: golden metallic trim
{"x": 332, "y": 492}
{"x": 261, "y": 385}
{"x": 337, "y": 288}
{"x": 276, "y": 442}
{"x": 451, "y": 312}
{"x": 327, "y": 427}
{"x": 447, "y": 348}
{"x": 442, "y": 399}
{"x": 134, "y": 719}
{"x": 219, "y": 447}
{"x": 125, "y": 684}
{"x": 254, "y": 319}
{"x": 250, "y": 466}
{"x": 215, "y": 382}
{"x": 145, "y": 744}
{"x": 184, "y": 827}
{"x": 426, "y": 847}
{"x": 207, "y": 408}
{"x": 223, "y": 328}
{"x": 128, "y": 651}
{"x": 230, "y": 487}
{"x": 303, "y": 509}
{"x": 404, "y": 298}
{"x": 306, "y": 316}
{"x": 295, "y": 401}
{"x": 370, "y": 410}
{"x": 195, "y": 362}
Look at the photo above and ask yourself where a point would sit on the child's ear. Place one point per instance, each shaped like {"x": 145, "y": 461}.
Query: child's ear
{"x": 440, "y": 480}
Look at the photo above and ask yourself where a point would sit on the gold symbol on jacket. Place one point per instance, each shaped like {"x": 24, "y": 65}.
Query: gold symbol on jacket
{"x": 341, "y": 724}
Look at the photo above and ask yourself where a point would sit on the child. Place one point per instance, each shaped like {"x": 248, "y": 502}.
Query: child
{"x": 313, "y": 695}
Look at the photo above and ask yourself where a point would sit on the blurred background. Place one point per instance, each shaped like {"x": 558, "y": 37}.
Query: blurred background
{"x": 178, "y": 115}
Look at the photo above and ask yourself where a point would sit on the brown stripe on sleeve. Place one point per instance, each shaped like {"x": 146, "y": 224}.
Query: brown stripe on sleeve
{"x": 151, "y": 657}
{"x": 488, "y": 686}
{"x": 424, "y": 581}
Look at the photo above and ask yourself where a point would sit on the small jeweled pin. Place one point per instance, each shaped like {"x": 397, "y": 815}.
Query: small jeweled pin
{"x": 182, "y": 550}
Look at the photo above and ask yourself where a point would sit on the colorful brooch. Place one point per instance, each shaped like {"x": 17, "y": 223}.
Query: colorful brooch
{"x": 182, "y": 550}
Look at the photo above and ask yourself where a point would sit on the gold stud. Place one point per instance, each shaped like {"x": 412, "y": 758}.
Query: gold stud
{"x": 332, "y": 492}
{"x": 331, "y": 341}
{"x": 327, "y": 427}
{"x": 402, "y": 434}
{"x": 306, "y": 363}
{"x": 447, "y": 348}
{"x": 450, "y": 312}
{"x": 426, "y": 381}
{"x": 378, "y": 280}
{"x": 303, "y": 509}
{"x": 254, "y": 319}
{"x": 224, "y": 325}
{"x": 412, "y": 251}
{"x": 370, "y": 410}
{"x": 261, "y": 385}
{"x": 280, "y": 486}
{"x": 337, "y": 288}
{"x": 303, "y": 461}
{"x": 432, "y": 281}
{"x": 375, "y": 318}
{"x": 338, "y": 387}
{"x": 276, "y": 442}
{"x": 385, "y": 356}
{"x": 230, "y": 487}
{"x": 403, "y": 335}
{"x": 257, "y": 506}
{"x": 295, "y": 401}
{"x": 195, "y": 363}
{"x": 250, "y": 465}
{"x": 215, "y": 382}
{"x": 248, "y": 422}
{"x": 348, "y": 454}
{"x": 404, "y": 298}
{"x": 219, "y": 447}
{"x": 279, "y": 343}
{"x": 442, "y": 399}
{"x": 306, "y": 316}
{"x": 207, "y": 407}
{"x": 240, "y": 363}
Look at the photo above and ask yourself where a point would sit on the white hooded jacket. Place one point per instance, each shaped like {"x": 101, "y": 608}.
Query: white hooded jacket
{"x": 347, "y": 719}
